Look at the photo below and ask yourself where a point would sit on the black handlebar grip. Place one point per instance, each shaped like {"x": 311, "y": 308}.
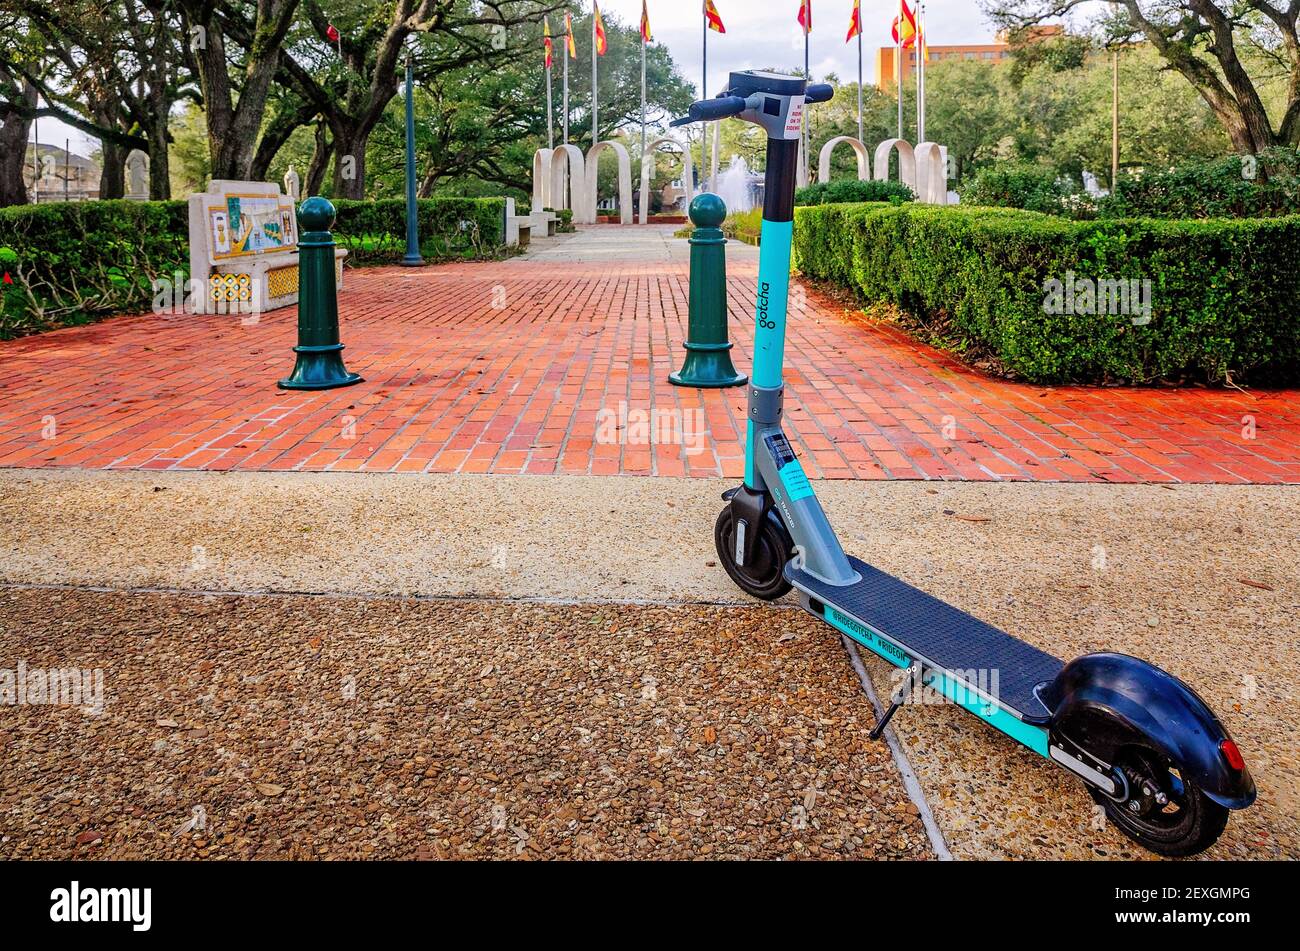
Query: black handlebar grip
{"x": 820, "y": 92}
{"x": 710, "y": 110}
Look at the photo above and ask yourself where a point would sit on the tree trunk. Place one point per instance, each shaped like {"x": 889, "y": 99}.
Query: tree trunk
{"x": 276, "y": 133}
{"x": 112, "y": 174}
{"x": 350, "y": 162}
{"x": 13, "y": 150}
{"x": 320, "y": 163}
{"x": 160, "y": 179}
{"x": 233, "y": 128}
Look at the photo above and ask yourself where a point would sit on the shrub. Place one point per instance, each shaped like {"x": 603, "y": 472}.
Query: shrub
{"x": 1028, "y": 187}
{"x": 1223, "y": 298}
{"x": 847, "y": 190}
{"x": 563, "y": 220}
{"x": 72, "y": 263}
{"x": 374, "y": 232}
{"x": 1267, "y": 185}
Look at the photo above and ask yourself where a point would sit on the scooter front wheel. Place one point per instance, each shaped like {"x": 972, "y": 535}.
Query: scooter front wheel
{"x": 1163, "y": 811}
{"x": 764, "y": 576}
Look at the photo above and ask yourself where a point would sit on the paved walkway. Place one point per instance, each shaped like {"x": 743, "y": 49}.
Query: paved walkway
{"x": 557, "y": 362}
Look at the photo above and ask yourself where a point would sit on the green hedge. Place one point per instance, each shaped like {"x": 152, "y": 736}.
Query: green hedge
{"x": 852, "y": 189}
{"x": 1267, "y": 185}
{"x": 374, "y": 232}
{"x": 1028, "y": 187}
{"x": 71, "y": 263}
{"x": 1225, "y": 296}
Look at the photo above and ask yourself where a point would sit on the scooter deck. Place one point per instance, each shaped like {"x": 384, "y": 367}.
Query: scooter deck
{"x": 939, "y": 635}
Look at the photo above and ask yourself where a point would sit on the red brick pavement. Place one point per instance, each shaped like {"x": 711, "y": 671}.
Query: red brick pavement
{"x": 506, "y": 368}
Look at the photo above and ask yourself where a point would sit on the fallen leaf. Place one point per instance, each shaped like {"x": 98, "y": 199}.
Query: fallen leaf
{"x": 1256, "y": 584}
{"x": 710, "y": 735}
{"x": 314, "y": 643}
{"x": 270, "y": 789}
{"x": 86, "y": 838}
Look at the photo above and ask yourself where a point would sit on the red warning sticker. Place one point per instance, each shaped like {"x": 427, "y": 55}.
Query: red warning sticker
{"x": 794, "y": 121}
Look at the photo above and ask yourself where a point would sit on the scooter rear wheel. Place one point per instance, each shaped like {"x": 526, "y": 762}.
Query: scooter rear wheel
{"x": 1186, "y": 824}
{"x": 764, "y": 576}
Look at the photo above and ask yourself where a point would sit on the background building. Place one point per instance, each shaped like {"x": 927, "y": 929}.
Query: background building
{"x": 887, "y": 68}
{"x": 53, "y": 174}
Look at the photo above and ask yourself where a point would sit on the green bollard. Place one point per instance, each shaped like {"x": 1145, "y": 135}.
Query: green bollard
{"x": 320, "y": 355}
{"x": 708, "y": 351}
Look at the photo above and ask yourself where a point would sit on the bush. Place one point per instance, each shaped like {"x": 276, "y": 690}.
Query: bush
{"x": 1027, "y": 187}
{"x": 563, "y": 221}
{"x": 1224, "y": 300}
{"x": 1267, "y": 186}
{"x": 847, "y": 190}
{"x": 374, "y": 232}
{"x": 72, "y": 263}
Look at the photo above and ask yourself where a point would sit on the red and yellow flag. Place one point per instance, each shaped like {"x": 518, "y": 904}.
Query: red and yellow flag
{"x": 713, "y": 17}
{"x": 906, "y": 33}
{"x": 548, "y": 42}
{"x": 602, "y": 43}
{"x": 568, "y": 36}
{"x": 646, "y": 36}
{"x": 805, "y": 15}
{"x": 855, "y": 24}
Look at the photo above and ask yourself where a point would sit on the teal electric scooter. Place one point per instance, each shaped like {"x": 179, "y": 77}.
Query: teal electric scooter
{"x": 1147, "y": 747}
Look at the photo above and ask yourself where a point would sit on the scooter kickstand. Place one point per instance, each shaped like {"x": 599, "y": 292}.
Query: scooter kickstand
{"x": 900, "y": 697}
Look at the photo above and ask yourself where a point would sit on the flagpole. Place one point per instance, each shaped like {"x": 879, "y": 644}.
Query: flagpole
{"x": 568, "y": 36}
{"x": 924, "y": 41}
{"x": 550, "y": 112}
{"x": 704, "y": 94}
{"x": 595, "y": 86}
{"x": 807, "y": 74}
{"x": 643, "y": 87}
{"x": 859, "y": 83}
{"x": 916, "y": 45}
{"x": 898, "y": 53}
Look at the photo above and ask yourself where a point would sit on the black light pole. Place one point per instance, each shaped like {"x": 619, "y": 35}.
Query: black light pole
{"x": 412, "y": 258}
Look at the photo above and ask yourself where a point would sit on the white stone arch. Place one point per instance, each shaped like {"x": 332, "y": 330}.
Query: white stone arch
{"x": 906, "y": 162}
{"x": 542, "y": 161}
{"x": 932, "y": 173}
{"x": 648, "y": 171}
{"x": 624, "y": 181}
{"x": 864, "y": 158}
{"x": 568, "y": 178}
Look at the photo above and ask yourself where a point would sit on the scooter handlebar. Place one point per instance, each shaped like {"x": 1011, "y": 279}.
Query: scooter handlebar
{"x": 820, "y": 92}
{"x": 711, "y": 110}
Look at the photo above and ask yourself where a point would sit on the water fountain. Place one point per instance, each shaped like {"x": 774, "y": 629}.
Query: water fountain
{"x": 735, "y": 186}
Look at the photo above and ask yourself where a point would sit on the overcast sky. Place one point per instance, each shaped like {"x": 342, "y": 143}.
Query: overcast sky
{"x": 759, "y": 33}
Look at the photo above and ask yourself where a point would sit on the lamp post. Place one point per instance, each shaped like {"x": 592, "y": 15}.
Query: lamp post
{"x": 413, "y": 257}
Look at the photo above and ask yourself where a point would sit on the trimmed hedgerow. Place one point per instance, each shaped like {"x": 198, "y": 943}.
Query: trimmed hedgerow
{"x": 1266, "y": 185}
{"x": 72, "y": 263}
{"x": 374, "y": 232}
{"x": 852, "y": 189}
{"x": 1225, "y": 298}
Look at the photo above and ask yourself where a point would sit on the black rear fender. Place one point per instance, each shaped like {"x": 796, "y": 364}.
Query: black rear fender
{"x": 1104, "y": 703}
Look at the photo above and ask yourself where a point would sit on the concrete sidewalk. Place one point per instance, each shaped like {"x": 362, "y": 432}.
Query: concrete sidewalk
{"x": 1200, "y": 580}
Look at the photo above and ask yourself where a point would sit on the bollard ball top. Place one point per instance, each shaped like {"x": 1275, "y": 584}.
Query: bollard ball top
{"x": 708, "y": 211}
{"x": 316, "y": 214}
